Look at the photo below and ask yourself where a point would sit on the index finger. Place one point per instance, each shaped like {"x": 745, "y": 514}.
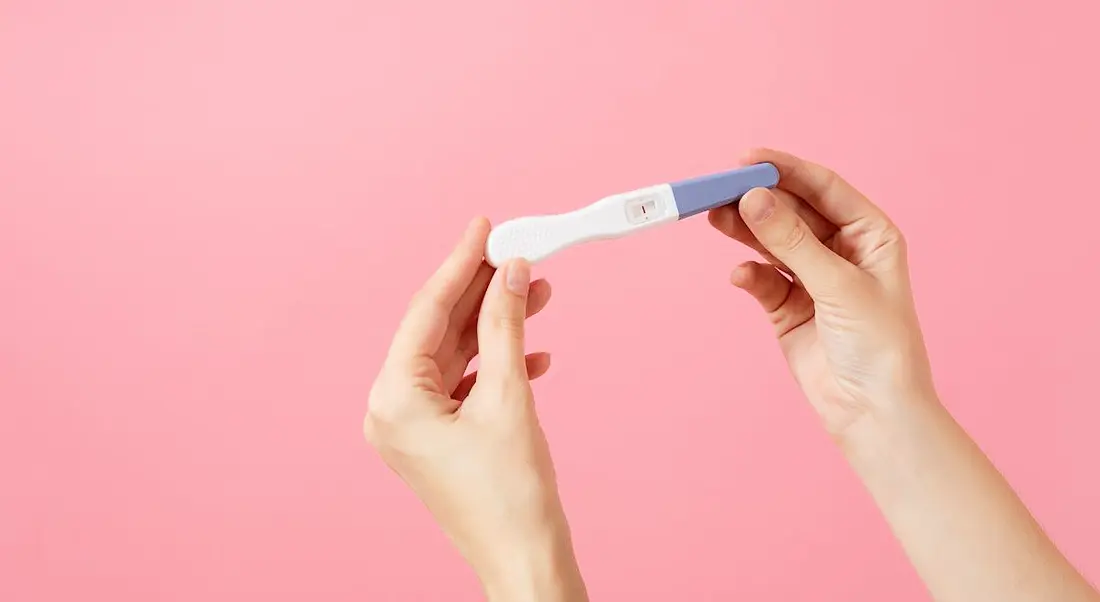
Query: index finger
{"x": 824, "y": 190}
{"x": 425, "y": 324}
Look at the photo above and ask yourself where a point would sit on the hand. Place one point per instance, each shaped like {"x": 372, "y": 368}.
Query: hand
{"x": 835, "y": 284}
{"x": 471, "y": 446}
{"x": 847, "y": 325}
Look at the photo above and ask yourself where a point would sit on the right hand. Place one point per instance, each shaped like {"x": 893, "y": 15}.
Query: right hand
{"x": 845, "y": 317}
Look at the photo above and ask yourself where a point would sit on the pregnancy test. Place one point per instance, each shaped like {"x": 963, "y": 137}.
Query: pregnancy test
{"x": 537, "y": 237}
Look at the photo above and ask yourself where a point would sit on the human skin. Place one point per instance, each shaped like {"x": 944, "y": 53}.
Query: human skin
{"x": 847, "y": 325}
{"x": 470, "y": 446}
{"x": 834, "y": 283}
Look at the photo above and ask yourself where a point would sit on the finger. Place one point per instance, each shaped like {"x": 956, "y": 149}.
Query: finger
{"x": 425, "y": 324}
{"x": 537, "y": 299}
{"x": 500, "y": 325}
{"x": 538, "y": 364}
{"x": 735, "y": 227}
{"x": 787, "y": 305}
{"x": 786, "y": 236}
{"x": 465, "y": 310}
{"x": 822, "y": 188}
{"x": 727, "y": 220}
{"x": 764, "y": 283}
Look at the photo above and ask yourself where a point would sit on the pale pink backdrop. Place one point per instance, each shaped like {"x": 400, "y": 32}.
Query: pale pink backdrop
{"x": 212, "y": 214}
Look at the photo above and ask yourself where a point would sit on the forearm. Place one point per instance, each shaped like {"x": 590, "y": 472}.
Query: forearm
{"x": 966, "y": 532}
{"x": 543, "y": 569}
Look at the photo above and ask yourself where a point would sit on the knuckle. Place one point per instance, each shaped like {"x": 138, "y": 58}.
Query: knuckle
{"x": 794, "y": 237}
{"x": 830, "y": 179}
{"x": 889, "y": 243}
{"x": 509, "y": 324}
{"x": 382, "y": 427}
{"x": 898, "y": 239}
{"x": 424, "y": 298}
{"x": 831, "y": 183}
{"x": 382, "y": 413}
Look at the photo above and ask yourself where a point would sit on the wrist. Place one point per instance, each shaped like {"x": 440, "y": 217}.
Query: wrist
{"x": 879, "y": 408}
{"x": 542, "y": 568}
{"x": 885, "y": 441}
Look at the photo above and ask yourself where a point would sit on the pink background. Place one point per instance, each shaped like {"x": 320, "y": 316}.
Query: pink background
{"x": 212, "y": 214}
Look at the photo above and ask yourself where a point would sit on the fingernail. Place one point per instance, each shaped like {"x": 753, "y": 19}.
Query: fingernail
{"x": 758, "y": 205}
{"x": 518, "y": 277}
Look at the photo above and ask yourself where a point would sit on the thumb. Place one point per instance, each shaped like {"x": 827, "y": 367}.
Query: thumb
{"x": 500, "y": 324}
{"x": 786, "y": 236}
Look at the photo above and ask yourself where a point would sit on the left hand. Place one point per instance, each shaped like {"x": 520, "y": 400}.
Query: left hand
{"x": 470, "y": 446}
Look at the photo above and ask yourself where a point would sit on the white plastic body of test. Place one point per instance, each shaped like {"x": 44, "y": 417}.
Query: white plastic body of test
{"x": 535, "y": 238}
